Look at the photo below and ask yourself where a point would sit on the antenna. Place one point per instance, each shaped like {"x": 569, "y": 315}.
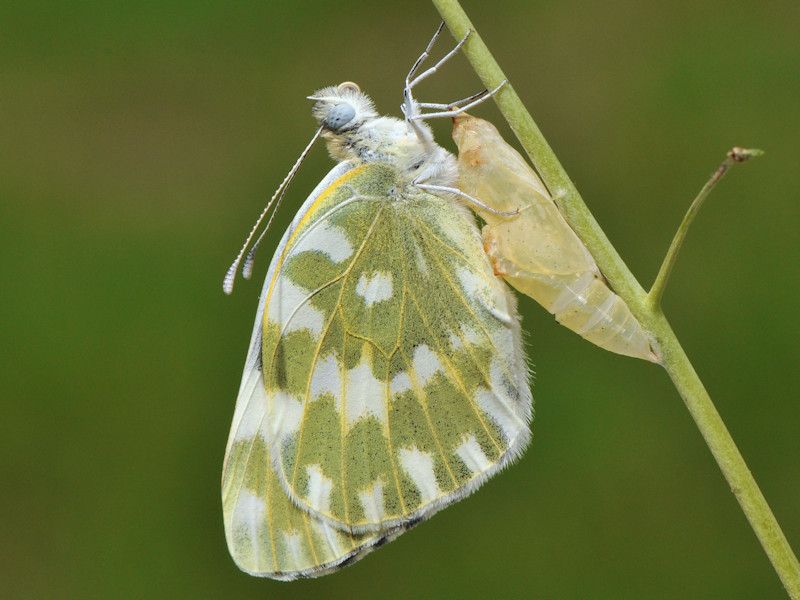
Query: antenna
{"x": 230, "y": 275}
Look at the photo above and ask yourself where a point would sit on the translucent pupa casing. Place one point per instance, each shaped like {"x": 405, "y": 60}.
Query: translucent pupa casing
{"x": 535, "y": 250}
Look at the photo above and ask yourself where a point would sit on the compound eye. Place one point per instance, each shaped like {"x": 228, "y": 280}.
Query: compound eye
{"x": 339, "y": 116}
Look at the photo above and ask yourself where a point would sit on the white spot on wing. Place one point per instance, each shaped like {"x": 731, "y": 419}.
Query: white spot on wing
{"x": 332, "y": 537}
{"x": 289, "y": 307}
{"x": 255, "y": 406}
{"x": 364, "y": 394}
{"x": 422, "y": 264}
{"x": 455, "y": 342}
{"x": 326, "y": 379}
{"x": 294, "y": 544}
{"x": 472, "y": 336}
{"x": 399, "y": 384}
{"x": 470, "y": 452}
{"x": 375, "y": 289}
{"x": 372, "y": 501}
{"x": 418, "y": 465}
{"x": 249, "y": 512}
{"x": 426, "y": 364}
{"x": 285, "y": 416}
{"x": 507, "y": 412}
{"x": 319, "y": 489}
{"x": 307, "y": 317}
{"x": 325, "y": 238}
{"x": 490, "y": 296}
{"x": 247, "y": 521}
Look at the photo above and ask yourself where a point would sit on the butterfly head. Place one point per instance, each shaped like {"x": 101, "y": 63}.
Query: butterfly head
{"x": 342, "y": 108}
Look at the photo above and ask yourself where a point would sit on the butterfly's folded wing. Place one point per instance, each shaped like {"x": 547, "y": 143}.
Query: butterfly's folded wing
{"x": 395, "y": 381}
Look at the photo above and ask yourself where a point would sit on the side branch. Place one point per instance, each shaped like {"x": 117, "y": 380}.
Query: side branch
{"x": 736, "y": 155}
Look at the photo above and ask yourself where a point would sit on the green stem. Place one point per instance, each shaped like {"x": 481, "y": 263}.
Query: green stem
{"x": 648, "y": 313}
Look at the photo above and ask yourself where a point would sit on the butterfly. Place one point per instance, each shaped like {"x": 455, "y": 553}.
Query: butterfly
{"x": 385, "y": 377}
{"x": 533, "y": 247}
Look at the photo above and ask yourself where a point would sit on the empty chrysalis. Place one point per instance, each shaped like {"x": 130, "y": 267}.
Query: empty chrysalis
{"x": 534, "y": 249}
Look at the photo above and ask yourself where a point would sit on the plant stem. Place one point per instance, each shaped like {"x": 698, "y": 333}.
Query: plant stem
{"x": 649, "y": 313}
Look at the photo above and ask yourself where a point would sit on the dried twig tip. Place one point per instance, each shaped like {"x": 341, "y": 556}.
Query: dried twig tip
{"x": 744, "y": 154}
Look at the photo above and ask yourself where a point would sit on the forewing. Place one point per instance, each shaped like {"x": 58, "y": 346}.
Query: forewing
{"x": 393, "y": 365}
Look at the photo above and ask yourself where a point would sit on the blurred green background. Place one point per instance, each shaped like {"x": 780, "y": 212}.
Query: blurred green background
{"x": 138, "y": 142}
